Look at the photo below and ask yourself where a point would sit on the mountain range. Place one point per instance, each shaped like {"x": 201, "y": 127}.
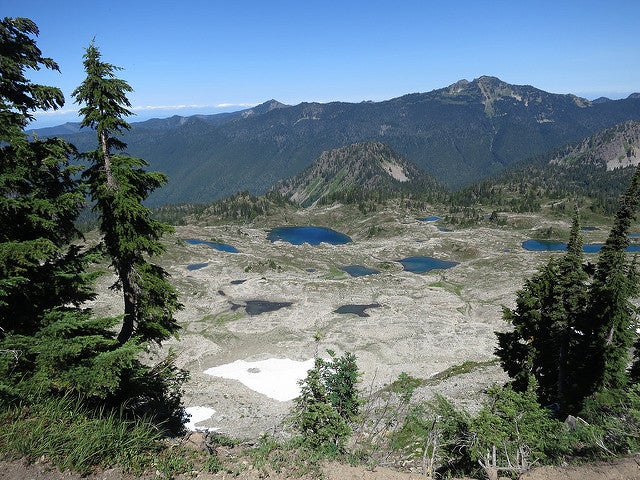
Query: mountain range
{"x": 459, "y": 134}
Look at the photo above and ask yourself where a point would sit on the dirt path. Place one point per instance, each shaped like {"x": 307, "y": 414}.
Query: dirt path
{"x": 619, "y": 469}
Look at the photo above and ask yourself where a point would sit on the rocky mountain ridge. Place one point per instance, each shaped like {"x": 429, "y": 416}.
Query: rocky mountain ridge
{"x": 459, "y": 134}
{"x": 616, "y": 147}
{"x": 366, "y": 166}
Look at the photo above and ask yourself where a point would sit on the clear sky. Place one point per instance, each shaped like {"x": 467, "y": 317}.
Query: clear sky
{"x": 208, "y": 56}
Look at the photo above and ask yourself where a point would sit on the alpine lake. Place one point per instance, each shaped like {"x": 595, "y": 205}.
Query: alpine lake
{"x": 267, "y": 299}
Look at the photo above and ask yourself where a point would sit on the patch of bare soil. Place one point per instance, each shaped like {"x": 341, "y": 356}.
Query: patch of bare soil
{"x": 619, "y": 469}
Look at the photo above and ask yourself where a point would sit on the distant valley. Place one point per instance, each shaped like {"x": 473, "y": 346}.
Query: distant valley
{"x": 458, "y": 135}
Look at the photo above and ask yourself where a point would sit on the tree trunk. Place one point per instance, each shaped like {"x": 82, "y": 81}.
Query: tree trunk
{"x": 562, "y": 370}
{"x": 111, "y": 183}
{"x": 129, "y": 293}
{"x": 610, "y": 336}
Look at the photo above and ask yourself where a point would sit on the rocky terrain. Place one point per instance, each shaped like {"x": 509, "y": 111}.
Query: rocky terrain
{"x": 421, "y": 324}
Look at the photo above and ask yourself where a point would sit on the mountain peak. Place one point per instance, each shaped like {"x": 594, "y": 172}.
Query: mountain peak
{"x": 499, "y": 97}
{"x": 364, "y": 166}
{"x": 489, "y": 80}
{"x": 484, "y": 80}
{"x": 264, "y": 108}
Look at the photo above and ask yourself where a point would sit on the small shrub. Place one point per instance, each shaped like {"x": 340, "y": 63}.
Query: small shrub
{"x": 172, "y": 462}
{"x": 328, "y": 403}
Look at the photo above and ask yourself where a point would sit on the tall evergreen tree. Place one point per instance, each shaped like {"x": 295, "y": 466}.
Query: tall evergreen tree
{"x": 48, "y": 344}
{"x": 611, "y": 315}
{"x": 39, "y": 197}
{"x": 545, "y": 342}
{"x": 18, "y": 95}
{"x": 574, "y": 334}
{"x": 118, "y": 185}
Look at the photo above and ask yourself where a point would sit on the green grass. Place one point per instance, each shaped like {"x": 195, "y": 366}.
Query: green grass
{"x": 460, "y": 369}
{"x": 68, "y": 435}
{"x": 72, "y": 437}
{"x": 289, "y": 457}
{"x": 222, "y": 318}
{"x": 453, "y": 287}
{"x": 335, "y": 274}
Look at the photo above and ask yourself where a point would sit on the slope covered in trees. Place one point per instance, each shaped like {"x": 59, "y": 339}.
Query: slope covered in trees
{"x": 459, "y": 134}
{"x": 592, "y": 172}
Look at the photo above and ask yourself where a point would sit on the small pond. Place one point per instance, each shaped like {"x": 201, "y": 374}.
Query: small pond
{"x": 359, "y": 270}
{"x": 544, "y": 245}
{"x": 310, "y": 235}
{"x": 433, "y": 218}
{"x": 237, "y": 282}
{"x": 256, "y": 307}
{"x": 196, "y": 266}
{"x": 555, "y": 246}
{"x": 356, "y": 309}
{"x": 425, "y": 264}
{"x": 223, "y": 247}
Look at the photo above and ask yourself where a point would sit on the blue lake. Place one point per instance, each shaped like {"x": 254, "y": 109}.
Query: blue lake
{"x": 555, "y": 246}
{"x": 425, "y": 264}
{"x": 310, "y": 235}
{"x": 196, "y": 266}
{"x": 359, "y": 270}
{"x": 433, "y": 218}
{"x": 223, "y": 247}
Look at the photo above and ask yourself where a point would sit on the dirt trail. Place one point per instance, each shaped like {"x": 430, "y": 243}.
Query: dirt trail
{"x": 619, "y": 469}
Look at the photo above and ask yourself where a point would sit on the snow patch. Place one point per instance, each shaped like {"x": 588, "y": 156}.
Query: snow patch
{"x": 199, "y": 414}
{"x": 276, "y": 378}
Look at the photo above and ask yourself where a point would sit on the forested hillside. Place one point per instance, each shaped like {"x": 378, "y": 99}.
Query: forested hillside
{"x": 593, "y": 172}
{"x": 459, "y": 134}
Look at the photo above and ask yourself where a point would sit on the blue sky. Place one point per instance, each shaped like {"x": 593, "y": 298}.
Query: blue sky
{"x": 208, "y": 56}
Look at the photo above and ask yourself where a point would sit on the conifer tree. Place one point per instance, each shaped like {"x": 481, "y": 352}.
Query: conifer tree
{"x": 545, "y": 343}
{"x": 119, "y": 184}
{"x": 39, "y": 198}
{"x": 575, "y": 334}
{"x": 611, "y": 315}
{"x": 48, "y": 343}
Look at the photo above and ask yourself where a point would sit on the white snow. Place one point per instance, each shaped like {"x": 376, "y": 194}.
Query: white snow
{"x": 199, "y": 414}
{"x": 276, "y": 378}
